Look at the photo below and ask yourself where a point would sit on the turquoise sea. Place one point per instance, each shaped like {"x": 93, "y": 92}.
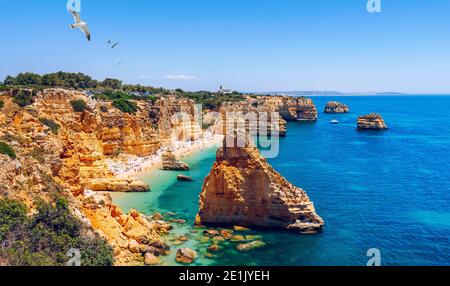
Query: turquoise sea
{"x": 388, "y": 190}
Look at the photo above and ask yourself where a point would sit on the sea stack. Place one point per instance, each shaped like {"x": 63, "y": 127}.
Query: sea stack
{"x": 336, "y": 107}
{"x": 372, "y": 121}
{"x": 243, "y": 189}
{"x": 170, "y": 163}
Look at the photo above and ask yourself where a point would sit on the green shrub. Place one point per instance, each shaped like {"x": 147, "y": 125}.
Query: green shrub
{"x": 7, "y": 150}
{"x": 153, "y": 99}
{"x": 4, "y": 88}
{"x": 113, "y": 95}
{"x": 78, "y": 105}
{"x": 126, "y": 106}
{"x": 210, "y": 100}
{"x": 54, "y": 127}
{"x": 12, "y": 214}
{"x": 1, "y": 104}
{"x": 23, "y": 97}
{"x": 45, "y": 238}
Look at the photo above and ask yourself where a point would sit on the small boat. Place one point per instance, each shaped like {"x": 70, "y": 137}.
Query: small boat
{"x": 334, "y": 121}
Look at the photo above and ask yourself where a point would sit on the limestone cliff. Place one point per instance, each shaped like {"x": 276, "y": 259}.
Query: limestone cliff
{"x": 243, "y": 189}
{"x": 290, "y": 108}
{"x": 60, "y": 150}
{"x": 265, "y": 108}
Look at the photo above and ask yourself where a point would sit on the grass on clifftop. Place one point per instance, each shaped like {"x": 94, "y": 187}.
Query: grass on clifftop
{"x": 7, "y": 150}
{"x": 23, "y": 97}
{"x": 210, "y": 100}
{"x": 45, "y": 238}
{"x": 114, "y": 90}
{"x": 78, "y": 105}
{"x": 125, "y": 106}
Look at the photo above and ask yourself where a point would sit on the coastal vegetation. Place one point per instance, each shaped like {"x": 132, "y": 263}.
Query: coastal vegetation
{"x": 23, "y": 97}
{"x": 1, "y": 104}
{"x": 54, "y": 127}
{"x": 78, "y": 105}
{"x": 210, "y": 100}
{"x": 77, "y": 81}
{"x": 109, "y": 89}
{"x": 125, "y": 106}
{"x": 45, "y": 238}
{"x": 7, "y": 150}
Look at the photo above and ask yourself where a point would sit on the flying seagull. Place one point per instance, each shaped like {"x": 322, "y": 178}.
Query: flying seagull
{"x": 83, "y": 26}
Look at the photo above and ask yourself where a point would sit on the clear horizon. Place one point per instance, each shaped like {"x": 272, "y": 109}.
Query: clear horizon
{"x": 246, "y": 45}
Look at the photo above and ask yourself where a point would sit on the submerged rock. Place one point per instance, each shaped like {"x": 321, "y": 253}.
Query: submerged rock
{"x": 336, "y": 107}
{"x": 226, "y": 233}
{"x": 237, "y": 238}
{"x": 211, "y": 232}
{"x": 170, "y": 163}
{"x": 251, "y": 245}
{"x": 179, "y": 221}
{"x": 214, "y": 248}
{"x": 243, "y": 189}
{"x": 253, "y": 237}
{"x": 218, "y": 239}
{"x": 372, "y": 121}
{"x": 151, "y": 259}
{"x": 240, "y": 228}
{"x": 184, "y": 178}
{"x": 186, "y": 256}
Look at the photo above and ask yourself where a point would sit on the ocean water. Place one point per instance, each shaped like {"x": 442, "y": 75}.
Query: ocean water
{"x": 388, "y": 190}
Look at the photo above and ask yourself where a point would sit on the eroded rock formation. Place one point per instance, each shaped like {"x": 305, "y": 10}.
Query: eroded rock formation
{"x": 116, "y": 185}
{"x": 336, "y": 107}
{"x": 243, "y": 189}
{"x": 372, "y": 121}
{"x": 273, "y": 111}
{"x": 170, "y": 163}
{"x": 70, "y": 159}
{"x": 131, "y": 235}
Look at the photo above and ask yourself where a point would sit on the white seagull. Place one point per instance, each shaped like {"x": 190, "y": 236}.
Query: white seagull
{"x": 83, "y": 26}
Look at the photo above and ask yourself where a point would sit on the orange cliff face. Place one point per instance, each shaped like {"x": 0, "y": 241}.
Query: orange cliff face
{"x": 243, "y": 189}
{"x": 72, "y": 160}
{"x": 290, "y": 108}
{"x": 286, "y": 108}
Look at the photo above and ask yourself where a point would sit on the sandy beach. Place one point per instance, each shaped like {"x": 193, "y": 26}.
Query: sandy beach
{"x": 134, "y": 166}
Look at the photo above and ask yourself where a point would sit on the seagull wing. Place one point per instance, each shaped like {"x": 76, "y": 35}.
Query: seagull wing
{"x": 85, "y": 29}
{"x": 113, "y": 46}
{"x": 76, "y": 16}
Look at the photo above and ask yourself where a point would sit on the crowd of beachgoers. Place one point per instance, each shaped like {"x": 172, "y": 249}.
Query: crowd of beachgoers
{"x": 132, "y": 165}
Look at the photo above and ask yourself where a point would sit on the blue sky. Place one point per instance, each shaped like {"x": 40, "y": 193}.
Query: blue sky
{"x": 247, "y": 45}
